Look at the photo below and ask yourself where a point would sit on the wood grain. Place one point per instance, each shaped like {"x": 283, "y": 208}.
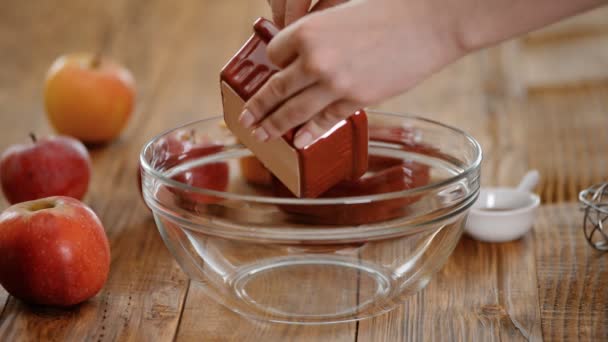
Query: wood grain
{"x": 572, "y": 278}
{"x": 204, "y": 319}
{"x": 501, "y": 307}
{"x": 504, "y": 306}
{"x": 559, "y": 132}
{"x": 549, "y": 285}
{"x": 145, "y": 291}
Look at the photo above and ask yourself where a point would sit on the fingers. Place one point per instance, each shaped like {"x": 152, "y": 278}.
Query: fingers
{"x": 279, "y": 87}
{"x": 278, "y": 12}
{"x": 285, "y": 12}
{"x": 294, "y": 112}
{"x": 325, "y": 4}
{"x": 283, "y": 48}
{"x": 307, "y": 91}
{"x": 295, "y": 9}
{"x": 323, "y": 122}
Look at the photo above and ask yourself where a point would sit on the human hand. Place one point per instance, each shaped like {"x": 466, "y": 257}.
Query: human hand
{"x": 285, "y": 12}
{"x": 344, "y": 58}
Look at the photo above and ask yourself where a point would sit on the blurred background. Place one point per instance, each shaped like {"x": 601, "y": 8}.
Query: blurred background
{"x": 520, "y": 99}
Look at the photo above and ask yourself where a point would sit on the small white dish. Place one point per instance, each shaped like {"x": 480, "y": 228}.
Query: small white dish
{"x": 504, "y": 214}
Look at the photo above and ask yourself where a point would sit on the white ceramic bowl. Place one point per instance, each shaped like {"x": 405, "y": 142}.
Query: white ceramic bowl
{"x": 502, "y": 214}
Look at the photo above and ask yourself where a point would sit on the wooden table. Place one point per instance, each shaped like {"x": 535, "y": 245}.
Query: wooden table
{"x": 549, "y": 285}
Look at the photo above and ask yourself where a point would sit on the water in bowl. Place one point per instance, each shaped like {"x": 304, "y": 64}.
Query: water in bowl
{"x": 286, "y": 269}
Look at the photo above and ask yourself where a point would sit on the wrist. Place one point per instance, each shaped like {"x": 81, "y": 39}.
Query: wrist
{"x": 447, "y": 30}
{"x": 477, "y": 25}
{"x": 439, "y": 29}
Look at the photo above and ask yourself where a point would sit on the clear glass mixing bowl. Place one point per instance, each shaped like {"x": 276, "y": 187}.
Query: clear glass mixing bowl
{"x": 333, "y": 259}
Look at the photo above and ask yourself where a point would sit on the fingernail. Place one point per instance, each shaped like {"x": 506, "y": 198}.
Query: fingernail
{"x": 260, "y": 134}
{"x": 246, "y": 118}
{"x": 302, "y": 139}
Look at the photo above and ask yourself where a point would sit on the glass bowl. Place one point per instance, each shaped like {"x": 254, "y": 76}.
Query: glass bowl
{"x": 356, "y": 252}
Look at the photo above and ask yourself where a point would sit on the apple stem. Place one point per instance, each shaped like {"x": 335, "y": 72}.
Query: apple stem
{"x": 33, "y": 137}
{"x": 105, "y": 41}
{"x": 192, "y": 132}
{"x": 96, "y": 61}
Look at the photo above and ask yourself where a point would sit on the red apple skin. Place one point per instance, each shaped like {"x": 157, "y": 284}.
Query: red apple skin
{"x": 180, "y": 142}
{"x": 213, "y": 176}
{"x": 91, "y": 103}
{"x": 180, "y": 147}
{"x": 184, "y": 145}
{"x": 54, "y": 252}
{"x": 167, "y": 154}
{"x": 52, "y": 166}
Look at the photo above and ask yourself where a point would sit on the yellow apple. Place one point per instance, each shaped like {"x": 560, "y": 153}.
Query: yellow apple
{"x": 88, "y": 97}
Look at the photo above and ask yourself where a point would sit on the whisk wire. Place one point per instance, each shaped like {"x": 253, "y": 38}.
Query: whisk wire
{"x": 594, "y": 201}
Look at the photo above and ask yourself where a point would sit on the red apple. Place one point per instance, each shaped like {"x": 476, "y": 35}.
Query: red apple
{"x": 212, "y": 176}
{"x": 54, "y": 251}
{"x": 179, "y": 146}
{"x": 166, "y": 153}
{"x": 255, "y": 172}
{"x": 183, "y": 146}
{"x": 52, "y": 166}
{"x": 89, "y": 97}
{"x": 179, "y": 142}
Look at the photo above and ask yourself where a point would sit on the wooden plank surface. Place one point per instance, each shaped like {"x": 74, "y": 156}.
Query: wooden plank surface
{"x": 548, "y": 285}
{"x": 143, "y": 297}
{"x": 559, "y": 132}
{"x": 572, "y": 278}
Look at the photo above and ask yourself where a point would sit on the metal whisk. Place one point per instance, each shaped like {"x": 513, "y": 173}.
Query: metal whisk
{"x": 595, "y": 225}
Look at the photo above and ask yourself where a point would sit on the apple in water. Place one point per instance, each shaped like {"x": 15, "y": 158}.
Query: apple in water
{"x": 255, "y": 172}
{"x": 179, "y": 142}
{"x": 89, "y": 97}
{"x": 52, "y": 166}
{"x": 54, "y": 251}
{"x": 183, "y": 146}
{"x": 167, "y": 153}
{"x": 211, "y": 176}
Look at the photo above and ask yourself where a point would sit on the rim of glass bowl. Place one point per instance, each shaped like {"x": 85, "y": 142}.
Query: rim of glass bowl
{"x": 316, "y": 201}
